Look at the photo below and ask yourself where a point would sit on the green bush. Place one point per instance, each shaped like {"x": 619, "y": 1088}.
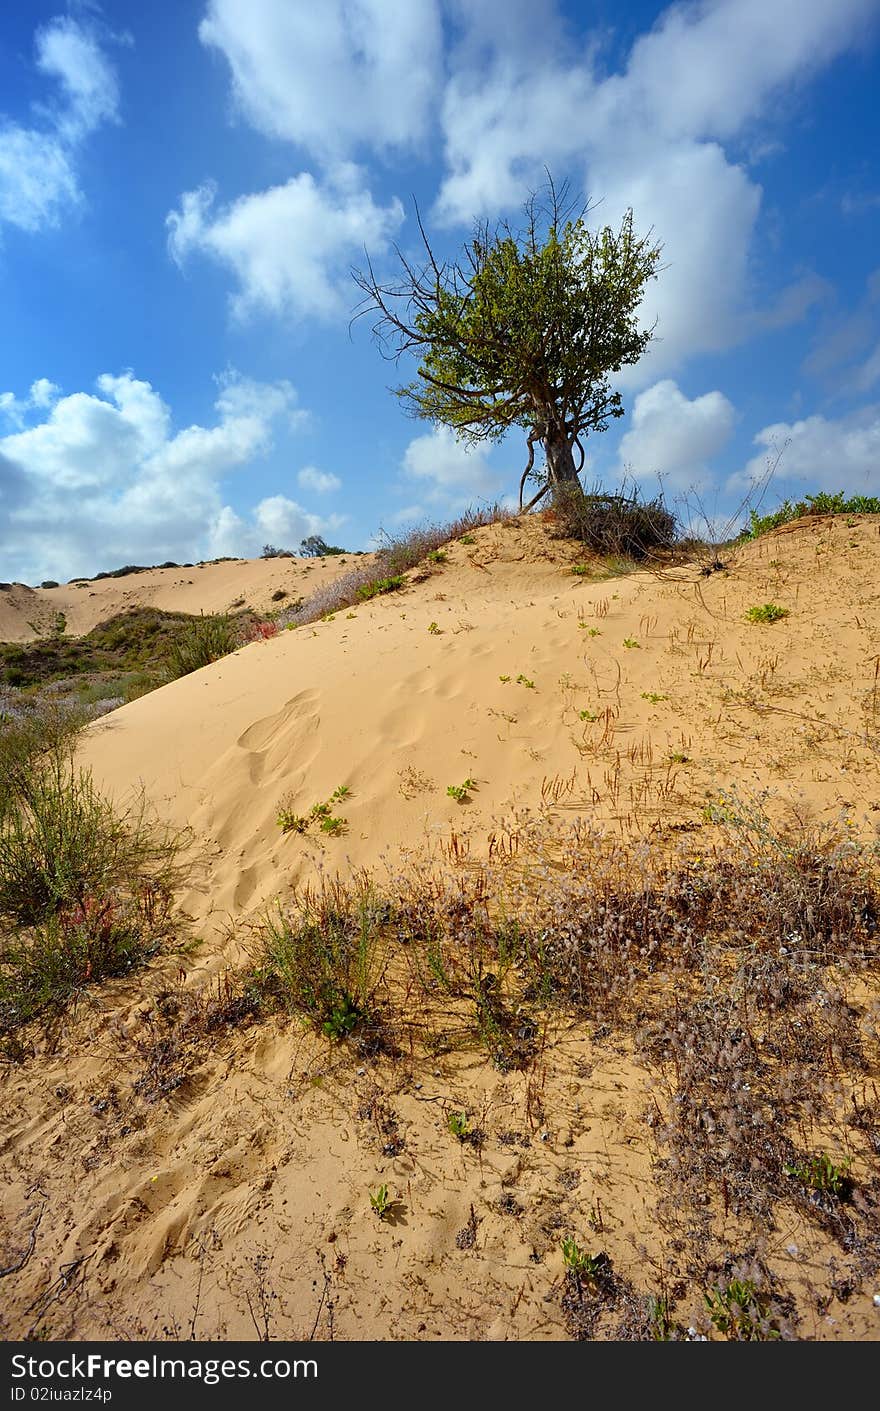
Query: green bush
{"x": 822, "y": 503}
{"x": 206, "y": 639}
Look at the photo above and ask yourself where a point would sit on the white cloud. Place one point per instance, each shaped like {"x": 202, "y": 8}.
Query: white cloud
{"x": 321, "y": 481}
{"x": 454, "y": 474}
{"x": 38, "y": 164}
{"x": 331, "y": 76}
{"x": 820, "y": 453}
{"x": 649, "y": 137}
{"x": 289, "y": 247}
{"x": 675, "y": 437}
{"x": 275, "y": 520}
{"x": 105, "y": 479}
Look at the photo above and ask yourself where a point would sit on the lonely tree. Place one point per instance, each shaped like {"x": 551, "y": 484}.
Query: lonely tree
{"x": 525, "y": 329}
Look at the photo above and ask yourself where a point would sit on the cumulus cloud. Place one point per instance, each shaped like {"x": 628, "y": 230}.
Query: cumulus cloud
{"x": 38, "y": 163}
{"x": 675, "y": 437}
{"x": 452, "y": 473}
{"x": 820, "y": 453}
{"x": 321, "y": 481}
{"x": 654, "y": 137}
{"x": 275, "y": 520}
{"x": 104, "y": 478}
{"x": 334, "y": 76}
{"x": 288, "y": 247}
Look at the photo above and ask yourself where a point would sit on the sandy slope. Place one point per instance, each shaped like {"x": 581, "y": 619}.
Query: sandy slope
{"x": 208, "y": 587}
{"x": 263, "y": 1160}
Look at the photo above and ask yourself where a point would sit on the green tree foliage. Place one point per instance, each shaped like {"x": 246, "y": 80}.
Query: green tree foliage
{"x": 525, "y": 329}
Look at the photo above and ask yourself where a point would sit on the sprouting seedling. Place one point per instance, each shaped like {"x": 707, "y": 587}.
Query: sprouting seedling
{"x": 504, "y": 680}
{"x": 524, "y": 681}
{"x": 380, "y": 1202}
{"x": 341, "y": 792}
{"x": 654, "y": 697}
{"x": 593, "y": 631}
{"x": 458, "y": 1124}
{"x": 290, "y": 822}
{"x": 461, "y": 792}
{"x": 677, "y": 757}
{"x": 630, "y": 642}
{"x": 333, "y": 826}
{"x": 587, "y": 715}
{"x": 434, "y": 629}
{"x": 586, "y": 1266}
{"x": 320, "y": 810}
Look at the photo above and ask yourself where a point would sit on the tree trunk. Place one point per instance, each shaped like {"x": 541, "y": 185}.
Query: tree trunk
{"x": 561, "y": 472}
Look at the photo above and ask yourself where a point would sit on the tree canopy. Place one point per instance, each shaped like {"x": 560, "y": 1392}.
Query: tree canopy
{"x": 525, "y": 329}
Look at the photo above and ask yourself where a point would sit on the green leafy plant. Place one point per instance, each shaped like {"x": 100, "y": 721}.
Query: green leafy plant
{"x": 581, "y": 570}
{"x": 334, "y": 826}
{"x": 343, "y": 1018}
{"x": 461, "y": 792}
{"x": 434, "y": 629}
{"x": 504, "y": 680}
{"x": 320, "y": 810}
{"x": 630, "y": 642}
{"x": 458, "y": 1124}
{"x": 524, "y": 681}
{"x": 342, "y": 791}
{"x": 677, "y": 757}
{"x": 436, "y": 556}
{"x": 380, "y": 585}
{"x": 290, "y": 822}
{"x": 380, "y": 1201}
{"x": 467, "y": 539}
{"x": 587, "y": 715}
{"x": 205, "y": 640}
{"x": 585, "y": 1266}
{"x": 766, "y": 612}
{"x": 741, "y": 1312}
{"x": 654, "y": 697}
{"x": 822, "y": 1175}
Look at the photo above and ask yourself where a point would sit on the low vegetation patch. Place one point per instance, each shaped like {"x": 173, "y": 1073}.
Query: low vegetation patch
{"x": 85, "y": 888}
{"x": 619, "y": 526}
{"x": 822, "y": 503}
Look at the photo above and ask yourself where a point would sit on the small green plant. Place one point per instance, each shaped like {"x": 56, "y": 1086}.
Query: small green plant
{"x": 434, "y": 629}
{"x": 658, "y": 1318}
{"x": 380, "y": 1201}
{"x": 524, "y": 681}
{"x": 334, "y": 826}
{"x": 766, "y": 612}
{"x": 320, "y": 810}
{"x": 654, "y": 697}
{"x": 585, "y": 1266}
{"x": 342, "y": 791}
{"x": 380, "y": 585}
{"x": 581, "y": 570}
{"x": 587, "y": 715}
{"x": 290, "y": 822}
{"x": 461, "y": 792}
{"x": 677, "y": 757}
{"x": 458, "y": 1124}
{"x": 822, "y": 1175}
{"x": 741, "y": 1312}
{"x": 467, "y": 539}
{"x": 343, "y": 1018}
{"x": 630, "y": 642}
{"x": 436, "y": 556}
{"x": 504, "y": 680}
{"x": 593, "y": 631}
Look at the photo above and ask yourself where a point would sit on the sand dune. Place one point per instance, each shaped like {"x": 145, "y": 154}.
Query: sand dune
{"x": 208, "y": 587}
{"x": 629, "y": 701}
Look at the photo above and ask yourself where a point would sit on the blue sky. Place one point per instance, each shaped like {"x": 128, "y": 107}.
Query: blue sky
{"x": 184, "y": 188}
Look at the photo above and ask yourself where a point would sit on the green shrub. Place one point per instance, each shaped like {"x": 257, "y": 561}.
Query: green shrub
{"x": 822, "y": 503}
{"x": 380, "y": 585}
{"x": 206, "y": 639}
{"x": 766, "y": 612}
